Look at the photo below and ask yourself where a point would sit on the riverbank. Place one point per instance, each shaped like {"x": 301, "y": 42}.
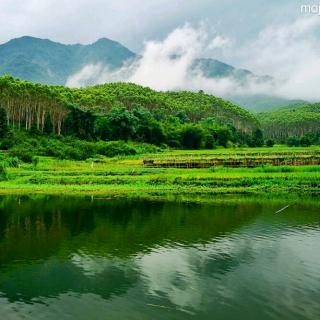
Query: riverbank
{"x": 129, "y": 176}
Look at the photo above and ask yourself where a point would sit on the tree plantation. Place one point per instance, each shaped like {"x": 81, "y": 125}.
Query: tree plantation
{"x": 295, "y": 125}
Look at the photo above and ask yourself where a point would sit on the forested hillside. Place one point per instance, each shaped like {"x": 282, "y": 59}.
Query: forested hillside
{"x": 124, "y": 111}
{"x": 49, "y": 62}
{"x": 292, "y": 122}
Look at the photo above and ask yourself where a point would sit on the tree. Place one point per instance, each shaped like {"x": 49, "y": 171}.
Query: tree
{"x": 222, "y": 135}
{"x": 257, "y": 138}
{"x": 192, "y": 136}
{"x": 293, "y": 141}
{"x": 80, "y": 123}
{"x": 3, "y": 123}
{"x": 305, "y": 141}
{"x": 270, "y": 143}
{"x": 122, "y": 123}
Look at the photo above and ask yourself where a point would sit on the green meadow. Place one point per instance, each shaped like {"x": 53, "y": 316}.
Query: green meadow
{"x": 127, "y": 175}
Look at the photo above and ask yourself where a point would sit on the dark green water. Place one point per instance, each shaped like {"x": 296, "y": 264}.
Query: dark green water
{"x": 78, "y": 258}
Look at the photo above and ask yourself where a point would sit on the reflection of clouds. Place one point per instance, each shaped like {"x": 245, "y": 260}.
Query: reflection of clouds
{"x": 189, "y": 277}
{"x": 170, "y": 272}
{"x": 223, "y": 271}
{"x": 92, "y": 265}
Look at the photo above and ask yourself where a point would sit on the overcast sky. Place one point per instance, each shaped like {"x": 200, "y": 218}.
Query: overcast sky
{"x": 265, "y": 36}
{"x": 132, "y": 22}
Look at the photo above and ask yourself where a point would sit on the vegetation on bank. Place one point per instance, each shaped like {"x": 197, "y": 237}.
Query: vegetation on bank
{"x": 128, "y": 175}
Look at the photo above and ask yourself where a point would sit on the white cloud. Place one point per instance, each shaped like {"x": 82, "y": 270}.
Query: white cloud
{"x": 167, "y": 65}
{"x": 288, "y": 52}
{"x": 220, "y": 42}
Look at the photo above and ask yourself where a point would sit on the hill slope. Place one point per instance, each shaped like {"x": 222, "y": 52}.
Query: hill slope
{"x": 27, "y": 103}
{"x": 296, "y": 120}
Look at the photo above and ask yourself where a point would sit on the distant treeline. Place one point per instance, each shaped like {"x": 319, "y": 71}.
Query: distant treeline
{"x": 295, "y": 125}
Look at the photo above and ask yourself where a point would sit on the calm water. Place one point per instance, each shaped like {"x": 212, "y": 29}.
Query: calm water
{"x": 69, "y": 258}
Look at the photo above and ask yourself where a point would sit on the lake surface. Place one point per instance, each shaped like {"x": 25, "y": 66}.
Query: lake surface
{"x": 83, "y": 258}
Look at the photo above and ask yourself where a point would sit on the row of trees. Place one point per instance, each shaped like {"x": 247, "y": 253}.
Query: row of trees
{"x": 30, "y": 105}
{"x": 175, "y": 130}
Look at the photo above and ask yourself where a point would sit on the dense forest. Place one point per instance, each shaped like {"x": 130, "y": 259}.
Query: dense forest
{"x": 126, "y": 112}
{"x": 292, "y": 124}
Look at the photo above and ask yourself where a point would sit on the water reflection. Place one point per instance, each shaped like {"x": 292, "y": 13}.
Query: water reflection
{"x": 140, "y": 259}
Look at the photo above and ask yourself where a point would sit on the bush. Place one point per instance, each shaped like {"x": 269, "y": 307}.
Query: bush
{"x": 293, "y": 142}
{"x": 3, "y": 171}
{"x": 22, "y": 153}
{"x": 270, "y": 143}
{"x": 192, "y": 136}
{"x": 305, "y": 141}
{"x": 115, "y": 148}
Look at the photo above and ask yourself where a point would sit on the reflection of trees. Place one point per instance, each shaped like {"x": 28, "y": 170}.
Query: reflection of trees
{"x": 33, "y": 229}
{"x": 50, "y": 230}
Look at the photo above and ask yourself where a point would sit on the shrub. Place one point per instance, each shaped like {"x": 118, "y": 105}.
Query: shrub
{"x": 305, "y": 141}
{"x": 192, "y": 136}
{"x": 3, "y": 171}
{"x": 22, "y": 153}
{"x": 293, "y": 142}
{"x": 115, "y": 148}
{"x": 270, "y": 143}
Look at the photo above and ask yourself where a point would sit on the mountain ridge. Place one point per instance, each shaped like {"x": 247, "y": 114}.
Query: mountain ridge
{"x": 50, "y": 62}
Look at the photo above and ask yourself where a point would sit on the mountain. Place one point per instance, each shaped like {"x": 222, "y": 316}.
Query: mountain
{"x": 49, "y": 62}
{"x": 212, "y": 68}
{"x": 45, "y": 61}
{"x": 260, "y": 102}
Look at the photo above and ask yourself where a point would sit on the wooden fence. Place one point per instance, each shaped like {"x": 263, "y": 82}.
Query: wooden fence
{"x": 248, "y": 161}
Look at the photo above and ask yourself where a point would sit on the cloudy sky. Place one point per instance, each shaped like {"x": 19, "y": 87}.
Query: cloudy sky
{"x": 132, "y": 22}
{"x": 268, "y": 37}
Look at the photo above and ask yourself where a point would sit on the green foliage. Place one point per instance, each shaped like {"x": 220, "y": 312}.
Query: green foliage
{"x": 115, "y": 148}
{"x": 35, "y": 162}
{"x": 192, "y": 136}
{"x": 123, "y": 111}
{"x": 270, "y": 143}
{"x": 79, "y": 122}
{"x": 292, "y": 121}
{"x": 293, "y": 141}
{"x": 305, "y": 141}
{"x": 22, "y": 153}
{"x": 121, "y": 124}
{"x": 257, "y": 139}
{"x": 3, "y": 123}
{"x": 3, "y": 171}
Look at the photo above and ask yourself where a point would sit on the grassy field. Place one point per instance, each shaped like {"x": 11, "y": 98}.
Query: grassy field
{"x": 128, "y": 175}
